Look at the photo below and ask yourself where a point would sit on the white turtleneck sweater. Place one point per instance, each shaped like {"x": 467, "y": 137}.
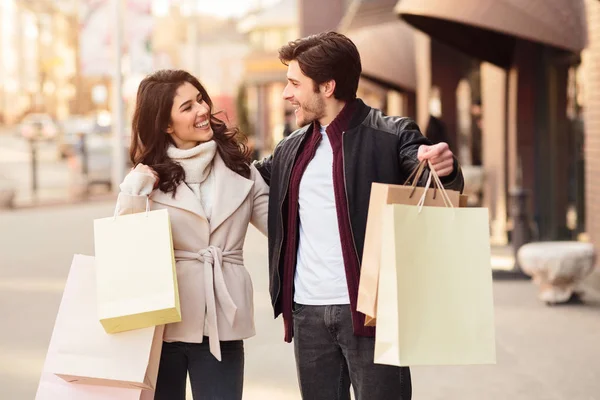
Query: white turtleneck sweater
{"x": 199, "y": 176}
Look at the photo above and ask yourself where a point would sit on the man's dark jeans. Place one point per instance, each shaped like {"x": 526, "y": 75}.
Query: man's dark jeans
{"x": 329, "y": 358}
{"x": 209, "y": 378}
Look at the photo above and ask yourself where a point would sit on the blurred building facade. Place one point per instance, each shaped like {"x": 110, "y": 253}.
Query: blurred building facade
{"x": 387, "y": 48}
{"x": 591, "y": 118}
{"x": 268, "y": 29}
{"x": 210, "y": 48}
{"x": 522, "y": 63}
{"x": 57, "y": 58}
{"x": 265, "y": 76}
{"x": 38, "y": 60}
{"x": 511, "y": 91}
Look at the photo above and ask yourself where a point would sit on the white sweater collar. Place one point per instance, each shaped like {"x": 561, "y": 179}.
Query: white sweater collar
{"x": 196, "y": 162}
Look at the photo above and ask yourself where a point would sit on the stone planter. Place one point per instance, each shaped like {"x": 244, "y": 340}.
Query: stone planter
{"x": 558, "y": 268}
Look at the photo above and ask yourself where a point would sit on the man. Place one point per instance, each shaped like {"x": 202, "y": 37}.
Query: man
{"x": 287, "y": 123}
{"x": 320, "y": 181}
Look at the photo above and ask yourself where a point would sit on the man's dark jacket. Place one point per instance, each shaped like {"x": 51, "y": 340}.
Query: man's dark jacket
{"x": 376, "y": 148}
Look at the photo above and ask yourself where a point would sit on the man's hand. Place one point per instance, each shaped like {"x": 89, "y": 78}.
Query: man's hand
{"x": 440, "y": 156}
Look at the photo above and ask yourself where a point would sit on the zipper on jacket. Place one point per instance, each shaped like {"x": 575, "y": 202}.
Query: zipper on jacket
{"x": 287, "y": 184}
{"x": 347, "y": 202}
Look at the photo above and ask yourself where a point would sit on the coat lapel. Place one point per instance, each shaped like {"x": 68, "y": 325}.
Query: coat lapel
{"x": 184, "y": 199}
{"x": 231, "y": 189}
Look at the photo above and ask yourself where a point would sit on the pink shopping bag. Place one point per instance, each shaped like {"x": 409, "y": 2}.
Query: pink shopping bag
{"x": 83, "y": 361}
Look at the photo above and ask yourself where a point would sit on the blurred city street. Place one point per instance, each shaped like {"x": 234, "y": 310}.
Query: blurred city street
{"x": 543, "y": 353}
{"x": 54, "y": 175}
{"x": 58, "y": 179}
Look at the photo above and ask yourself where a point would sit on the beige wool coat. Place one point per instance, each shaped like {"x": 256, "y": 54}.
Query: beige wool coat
{"x": 215, "y": 289}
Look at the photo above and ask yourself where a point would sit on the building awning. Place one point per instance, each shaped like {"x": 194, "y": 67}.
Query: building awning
{"x": 387, "y": 53}
{"x": 363, "y": 13}
{"x": 488, "y": 29}
{"x": 386, "y": 44}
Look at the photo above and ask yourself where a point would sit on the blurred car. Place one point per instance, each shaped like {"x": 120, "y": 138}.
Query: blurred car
{"x": 88, "y": 142}
{"x": 38, "y": 127}
{"x": 98, "y": 159}
{"x": 72, "y": 129}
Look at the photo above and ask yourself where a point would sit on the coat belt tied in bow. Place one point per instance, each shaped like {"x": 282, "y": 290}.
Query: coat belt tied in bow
{"x": 215, "y": 288}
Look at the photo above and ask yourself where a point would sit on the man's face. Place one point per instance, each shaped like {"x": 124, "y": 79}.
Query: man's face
{"x": 309, "y": 105}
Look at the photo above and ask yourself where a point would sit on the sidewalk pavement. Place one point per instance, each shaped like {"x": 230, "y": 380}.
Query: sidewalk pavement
{"x": 54, "y": 196}
{"x": 544, "y": 353}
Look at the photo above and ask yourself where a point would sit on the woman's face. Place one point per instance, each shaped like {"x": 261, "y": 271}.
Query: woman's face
{"x": 190, "y": 118}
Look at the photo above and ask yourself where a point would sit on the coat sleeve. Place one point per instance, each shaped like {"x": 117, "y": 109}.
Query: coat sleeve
{"x": 260, "y": 192}
{"x": 411, "y": 139}
{"x": 264, "y": 168}
{"x": 135, "y": 189}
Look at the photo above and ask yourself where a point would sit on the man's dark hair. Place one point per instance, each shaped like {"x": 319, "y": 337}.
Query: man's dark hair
{"x": 324, "y": 57}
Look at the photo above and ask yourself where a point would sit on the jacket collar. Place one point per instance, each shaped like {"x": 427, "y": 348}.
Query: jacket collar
{"x": 352, "y": 115}
{"x": 361, "y": 111}
{"x": 231, "y": 189}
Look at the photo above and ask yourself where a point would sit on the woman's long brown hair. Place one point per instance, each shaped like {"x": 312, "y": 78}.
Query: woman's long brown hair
{"x": 150, "y": 141}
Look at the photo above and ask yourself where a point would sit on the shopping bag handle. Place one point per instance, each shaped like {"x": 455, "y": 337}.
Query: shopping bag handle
{"x": 416, "y": 176}
{"x": 440, "y": 185}
{"x": 119, "y": 203}
{"x": 437, "y": 182}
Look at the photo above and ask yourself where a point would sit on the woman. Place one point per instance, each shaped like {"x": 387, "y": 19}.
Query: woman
{"x": 190, "y": 163}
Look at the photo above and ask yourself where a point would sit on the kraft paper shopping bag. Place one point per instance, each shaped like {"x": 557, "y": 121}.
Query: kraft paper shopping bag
{"x": 382, "y": 194}
{"x": 435, "y": 303}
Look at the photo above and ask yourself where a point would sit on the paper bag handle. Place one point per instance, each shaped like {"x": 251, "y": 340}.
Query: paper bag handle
{"x": 436, "y": 181}
{"x": 440, "y": 185}
{"x": 416, "y": 176}
{"x": 119, "y": 203}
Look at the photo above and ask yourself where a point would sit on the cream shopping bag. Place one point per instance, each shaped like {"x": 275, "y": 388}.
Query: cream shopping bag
{"x": 83, "y": 361}
{"x": 382, "y": 194}
{"x": 435, "y": 303}
{"x": 136, "y": 277}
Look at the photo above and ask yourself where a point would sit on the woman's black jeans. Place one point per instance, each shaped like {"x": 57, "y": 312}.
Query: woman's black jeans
{"x": 210, "y": 378}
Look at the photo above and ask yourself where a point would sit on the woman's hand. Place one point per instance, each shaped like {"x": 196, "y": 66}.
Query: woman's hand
{"x": 147, "y": 170}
